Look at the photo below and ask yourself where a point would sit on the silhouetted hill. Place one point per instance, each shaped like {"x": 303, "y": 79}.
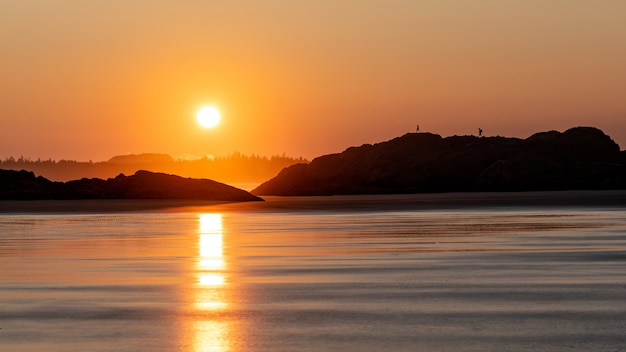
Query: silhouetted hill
{"x": 580, "y": 158}
{"x": 145, "y": 158}
{"x": 141, "y": 185}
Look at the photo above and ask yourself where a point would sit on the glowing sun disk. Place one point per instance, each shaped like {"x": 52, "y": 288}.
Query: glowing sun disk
{"x": 208, "y": 117}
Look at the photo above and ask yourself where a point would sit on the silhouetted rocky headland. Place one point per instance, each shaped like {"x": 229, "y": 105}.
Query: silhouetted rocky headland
{"x": 24, "y": 185}
{"x": 582, "y": 158}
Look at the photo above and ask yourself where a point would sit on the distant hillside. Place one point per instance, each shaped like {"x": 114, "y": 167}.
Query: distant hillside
{"x": 146, "y": 158}
{"x": 235, "y": 168}
{"x": 23, "y": 185}
{"x": 580, "y": 158}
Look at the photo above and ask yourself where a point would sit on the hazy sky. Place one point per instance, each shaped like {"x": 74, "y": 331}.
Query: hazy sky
{"x": 93, "y": 79}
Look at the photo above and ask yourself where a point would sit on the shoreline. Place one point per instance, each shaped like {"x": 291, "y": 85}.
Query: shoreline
{"x": 438, "y": 201}
{"x": 391, "y": 202}
{"x": 97, "y": 205}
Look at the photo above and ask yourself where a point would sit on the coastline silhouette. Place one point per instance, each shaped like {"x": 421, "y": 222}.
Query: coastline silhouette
{"x": 582, "y": 158}
{"x": 23, "y": 185}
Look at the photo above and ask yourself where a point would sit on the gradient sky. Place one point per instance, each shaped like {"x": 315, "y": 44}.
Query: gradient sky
{"x": 87, "y": 80}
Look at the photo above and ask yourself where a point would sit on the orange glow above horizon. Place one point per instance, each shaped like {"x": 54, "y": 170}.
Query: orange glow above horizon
{"x": 304, "y": 79}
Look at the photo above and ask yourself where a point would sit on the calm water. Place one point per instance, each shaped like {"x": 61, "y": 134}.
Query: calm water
{"x": 253, "y": 277}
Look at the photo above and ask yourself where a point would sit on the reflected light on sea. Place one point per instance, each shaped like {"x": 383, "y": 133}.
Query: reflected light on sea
{"x": 211, "y": 252}
{"x": 211, "y": 336}
{"x": 301, "y": 278}
{"x": 210, "y": 333}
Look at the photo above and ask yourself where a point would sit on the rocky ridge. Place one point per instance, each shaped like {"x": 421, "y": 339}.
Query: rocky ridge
{"x": 24, "y": 185}
{"x": 581, "y": 158}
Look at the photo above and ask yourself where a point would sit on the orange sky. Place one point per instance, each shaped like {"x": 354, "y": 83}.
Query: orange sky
{"x": 93, "y": 79}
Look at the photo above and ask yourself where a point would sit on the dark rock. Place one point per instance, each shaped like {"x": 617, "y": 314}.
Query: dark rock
{"x": 141, "y": 185}
{"x": 24, "y": 185}
{"x": 579, "y": 158}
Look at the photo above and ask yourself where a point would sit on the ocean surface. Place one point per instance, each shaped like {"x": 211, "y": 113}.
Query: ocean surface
{"x": 315, "y": 274}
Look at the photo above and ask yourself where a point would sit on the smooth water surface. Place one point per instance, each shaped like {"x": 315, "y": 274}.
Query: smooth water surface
{"x": 253, "y": 278}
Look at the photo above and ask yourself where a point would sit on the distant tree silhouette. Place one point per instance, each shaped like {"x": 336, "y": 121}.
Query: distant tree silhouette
{"x": 229, "y": 169}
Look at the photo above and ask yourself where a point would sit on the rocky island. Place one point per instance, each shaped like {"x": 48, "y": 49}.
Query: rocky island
{"x": 581, "y": 158}
{"x": 24, "y": 185}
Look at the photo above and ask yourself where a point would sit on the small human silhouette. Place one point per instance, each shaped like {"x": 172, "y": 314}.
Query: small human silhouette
{"x": 480, "y": 132}
{"x": 417, "y": 129}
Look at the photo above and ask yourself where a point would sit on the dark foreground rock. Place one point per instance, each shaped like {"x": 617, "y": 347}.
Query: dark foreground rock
{"x": 582, "y": 158}
{"x": 142, "y": 185}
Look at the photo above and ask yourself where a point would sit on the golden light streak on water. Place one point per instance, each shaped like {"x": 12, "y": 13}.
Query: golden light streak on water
{"x": 211, "y": 224}
{"x": 210, "y": 334}
{"x": 209, "y": 280}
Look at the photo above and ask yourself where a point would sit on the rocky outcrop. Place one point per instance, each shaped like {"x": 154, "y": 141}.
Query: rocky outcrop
{"x": 141, "y": 185}
{"x": 579, "y": 158}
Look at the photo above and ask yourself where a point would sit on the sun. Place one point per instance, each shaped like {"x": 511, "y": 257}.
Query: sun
{"x": 208, "y": 117}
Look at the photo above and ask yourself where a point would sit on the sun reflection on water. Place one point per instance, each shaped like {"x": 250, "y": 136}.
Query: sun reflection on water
{"x": 210, "y": 333}
{"x": 210, "y": 260}
{"x": 212, "y": 336}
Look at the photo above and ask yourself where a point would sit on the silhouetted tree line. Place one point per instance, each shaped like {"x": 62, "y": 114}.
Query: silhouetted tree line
{"x": 234, "y": 168}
